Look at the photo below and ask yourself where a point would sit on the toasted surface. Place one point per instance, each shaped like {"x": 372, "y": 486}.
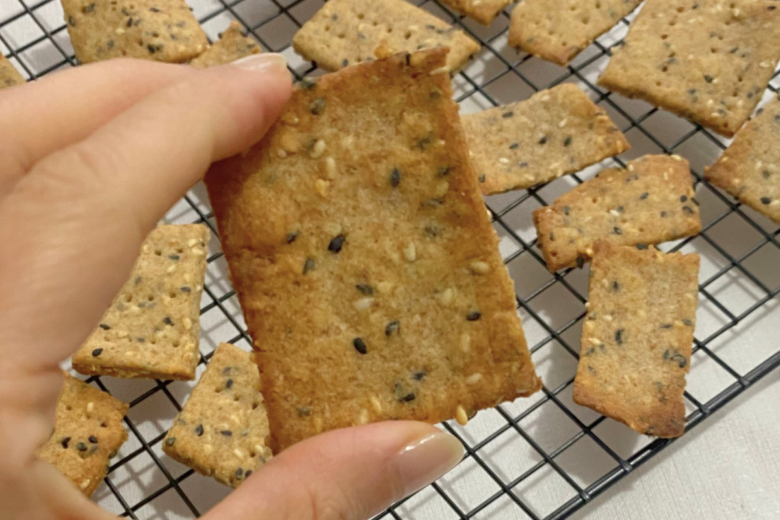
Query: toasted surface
{"x": 483, "y": 11}
{"x": 160, "y": 30}
{"x": 152, "y": 328}
{"x": 649, "y": 202}
{"x": 558, "y": 31}
{"x": 9, "y": 76}
{"x": 221, "y": 430}
{"x": 750, "y": 168}
{"x": 555, "y": 132}
{"x": 713, "y": 75}
{"x": 88, "y": 431}
{"x": 367, "y": 271}
{"x": 346, "y": 32}
{"x": 232, "y": 46}
{"x": 637, "y": 337}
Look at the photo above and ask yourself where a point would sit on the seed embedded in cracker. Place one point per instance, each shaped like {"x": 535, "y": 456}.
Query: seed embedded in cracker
{"x": 232, "y": 46}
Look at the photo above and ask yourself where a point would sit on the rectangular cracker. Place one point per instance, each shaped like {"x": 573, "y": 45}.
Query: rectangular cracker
{"x": 152, "y": 328}
{"x": 750, "y": 168}
{"x": 160, "y": 30}
{"x": 559, "y": 31}
{"x": 9, "y": 76}
{"x": 88, "y": 432}
{"x": 346, "y": 32}
{"x": 554, "y": 133}
{"x": 637, "y": 337}
{"x": 709, "y": 63}
{"x": 358, "y": 243}
{"x": 483, "y": 11}
{"x": 649, "y": 202}
{"x": 232, "y": 46}
{"x": 221, "y": 430}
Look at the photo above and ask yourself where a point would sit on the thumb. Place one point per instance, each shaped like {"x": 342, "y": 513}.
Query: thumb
{"x": 349, "y": 474}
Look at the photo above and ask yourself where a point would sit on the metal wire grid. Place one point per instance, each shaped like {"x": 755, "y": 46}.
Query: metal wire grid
{"x": 510, "y": 496}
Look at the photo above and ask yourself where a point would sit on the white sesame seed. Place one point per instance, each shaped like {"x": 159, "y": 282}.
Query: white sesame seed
{"x": 439, "y": 70}
{"x": 318, "y": 149}
{"x": 191, "y": 242}
{"x": 410, "y": 252}
{"x": 614, "y": 213}
{"x": 119, "y": 30}
{"x": 347, "y": 141}
{"x": 238, "y": 453}
{"x": 90, "y": 407}
{"x": 465, "y": 342}
{"x": 607, "y": 317}
{"x": 85, "y": 483}
{"x": 281, "y": 153}
{"x": 375, "y": 403}
{"x": 461, "y": 416}
{"x": 318, "y": 424}
{"x": 562, "y": 123}
{"x": 364, "y": 417}
{"x": 765, "y": 65}
{"x": 630, "y": 167}
{"x": 447, "y": 296}
{"x": 594, "y": 341}
{"x": 503, "y": 160}
{"x": 473, "y": 379}
{"x": 187, "y": 323}
{"x": 442, "y": 188}
{"x": 363, "y": 303}
{"x": 479, "y": 267}
{"x": 321, "y": 186}
{"x": 171, "y": 268}
{"x": 384, "y": 287}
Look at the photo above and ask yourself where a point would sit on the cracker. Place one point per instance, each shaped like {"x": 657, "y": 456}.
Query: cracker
{"x": 88, "y": 432}
{"x": 750, "y": 168}
{"x": 358, "y": 243}
{"x": 9, "y": 76}
{"x": 637, "y": 337}
{"x": 232, "y": 46}
{"x": 649, "y": 202}
{"x": 152, "y": 328}
{"x": 222, "y": 429}
{"x": 555, "y": 132}
{"x": 160, "y": 30}
{"x": 559, "y": 31}
{"x": 483, "y": 11}
{"x": 701, "y": 60}
{"x": 346, "y": 32}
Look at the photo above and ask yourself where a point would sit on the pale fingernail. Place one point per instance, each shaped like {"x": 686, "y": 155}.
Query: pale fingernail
{"x": 424, "y": 460}
{"x": 261, "y": 62}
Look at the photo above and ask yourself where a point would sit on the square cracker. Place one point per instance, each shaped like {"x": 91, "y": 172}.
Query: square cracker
{"x": 637, "y": 337}
{"x": 357, "y": 241}
{"x": 152, "y": 328}
{"x": 346, "y": 32}
{"x": 559, "y": 31}
{"x": 483, "y": 11}
{"x": 160, "y": 30}
{"x": 232, "y": 46}
{"x": 9, "y": 76}
{"x": 750, "y": 168}
{"x": 702, "y": 60}
{"x": 88, "y": 432}
{"x": 555, "y": 132}
{"x": 649, "y": 202}
{"x": 221, "y": 430}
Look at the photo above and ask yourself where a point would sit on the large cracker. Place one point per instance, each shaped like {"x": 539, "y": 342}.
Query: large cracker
{"x": 750, "y": 168}
{"x": 559, "y": 31}
{"x": 649, "y": 202}
{"x": 637, "y": 337}
{"x": 221, "y": 430}
{"x": 160, "y": 30}
{"x": 483, "y": 11}
{"x": 152, "y": 328}
{"x": 709, "y": 60}
{"x": 9, "y": 76}
{"x": 346, "y": 32}
{"x": 87, "y": 433}
{"x": 367, "y": 271}
{"x": 232, "y": 46}
{"x": 555, "y": 132}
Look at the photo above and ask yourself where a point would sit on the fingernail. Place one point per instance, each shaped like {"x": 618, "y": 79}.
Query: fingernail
{"x": 262, "y": 62}
{"x": 424, "y": 460}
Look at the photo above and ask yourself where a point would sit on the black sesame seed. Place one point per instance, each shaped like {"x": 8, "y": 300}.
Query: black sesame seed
{"x": 170, "y": 441}
{"x": 199, "y": 430}
{"x": 365, "y": 289}
{"x": 506, "y": 115}
{"x": 566, "y": 210}
{"x": 229, "y": 383}
{"x": 290, "y": 238}
{"x": 226, "y": 433}
{"x": 89, "y": 8}
{"x": 360, "y": 345}
{"x": 317, "y": 107}
{"x": 151, "y": 49}
{"x": 617, "y": 230}
{"x": 129, "y": 22}
{"x": 138, "y": 280}
{"x": 641, "y": 246}
{"x": 81, "y": 446}
{"x": 766, "y": 200}
{"x": 615, "y": 286}
{"x": 154, "y": 10}
{"x": 679, "y": 359}
{"x": 580, "y": 262}
{"x": 666, "y": 326}
{"x": 693, "y": 199}
{"x": 663, "y": 214}
{"x": 140, "y": 340}
{"x": 65, "y": 442}
{"x": 473, "y": 315}
{"x": 308, "y": 265}
{"x": 173, "y": 257}
{"x": 97, "y": 352}
{"x": 344, "y": 62}
{"x": 239, "y": 472}
{"x": 687, "y": 322}
{"x": 514, "y": 146}
{"x": 442, "y": 171}
{"x": 93, "y": 439}
{"x": 543, "y": 140}
{"x": 392, "y": 327}
{"x": 407, "y": 398}
{"x": 336, "y": 244}
{"x": 308, "y": 83}
{"x": 185, "y": 289}
{"x": 395, "y": 177}
{"x": 105, "y": 327}
{"x": 687, "y": 209}
{"x": 167, "y": 320}
{"x": 303, "y": 411}
{"x": 644, "y": 196}
{"x": 419, "y": 375}
{"x": 522, "y": 164}
{"x": 708, "y": 78}
{"x": 684, "y": 198}
{"x": 619, "y": 336}
{"x": 248, "y": 473}
{"x": 567, "y": 141}
{"x": 482, "y": 177}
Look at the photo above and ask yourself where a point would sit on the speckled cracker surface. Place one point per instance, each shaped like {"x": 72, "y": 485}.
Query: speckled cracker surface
{"x": 750, "y": 168}
{"x": 152, "y": 328}
{"x": 9, "y": 76}
{"x": 483, "y": 11}
{"x": 232, "y": 46}
{"x": 708, "y": 60}
{"x": 160, "y": 30}
{"x": 346, "y": 32}
{"x": 366, "y": 268}
{"x": 88, "y": 431}
{"x": 558, "y": 31}
{"x": 222, "y": 429}
{"x": 555, "y": 132}
{"x": 649, "y": 202}
{"x": 637, "y": 337}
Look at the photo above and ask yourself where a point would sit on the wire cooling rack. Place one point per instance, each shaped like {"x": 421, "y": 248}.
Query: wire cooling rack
{"x": 538, "y": 458}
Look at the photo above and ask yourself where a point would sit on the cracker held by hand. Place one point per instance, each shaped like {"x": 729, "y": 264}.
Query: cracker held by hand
{"x": 367, "y": 271}
{"x": 750, "y": 168}
{"x": 87, "y": 433}
{"x": 347, "y": 32}
{"x": 9, "y": 76}
{"x": 222, "y": 429}
{"x": 649, "y": 202}
{"x": 483, "y": 11}
{"x": 559, "y": 31}
{"x": 152, "y": 328}
{"x": 637, "y": 337}
{"x": 708, "y": 61}
{"x": 159, "y": 30}
{"x": 232, "y": 46}
{"x": 554, "y": 133}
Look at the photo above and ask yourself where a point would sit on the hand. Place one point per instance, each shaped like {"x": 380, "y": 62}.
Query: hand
{"x": 90, "y": 160}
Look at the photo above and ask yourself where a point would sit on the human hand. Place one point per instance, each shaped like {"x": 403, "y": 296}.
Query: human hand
{"x": 90, "y": 160}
